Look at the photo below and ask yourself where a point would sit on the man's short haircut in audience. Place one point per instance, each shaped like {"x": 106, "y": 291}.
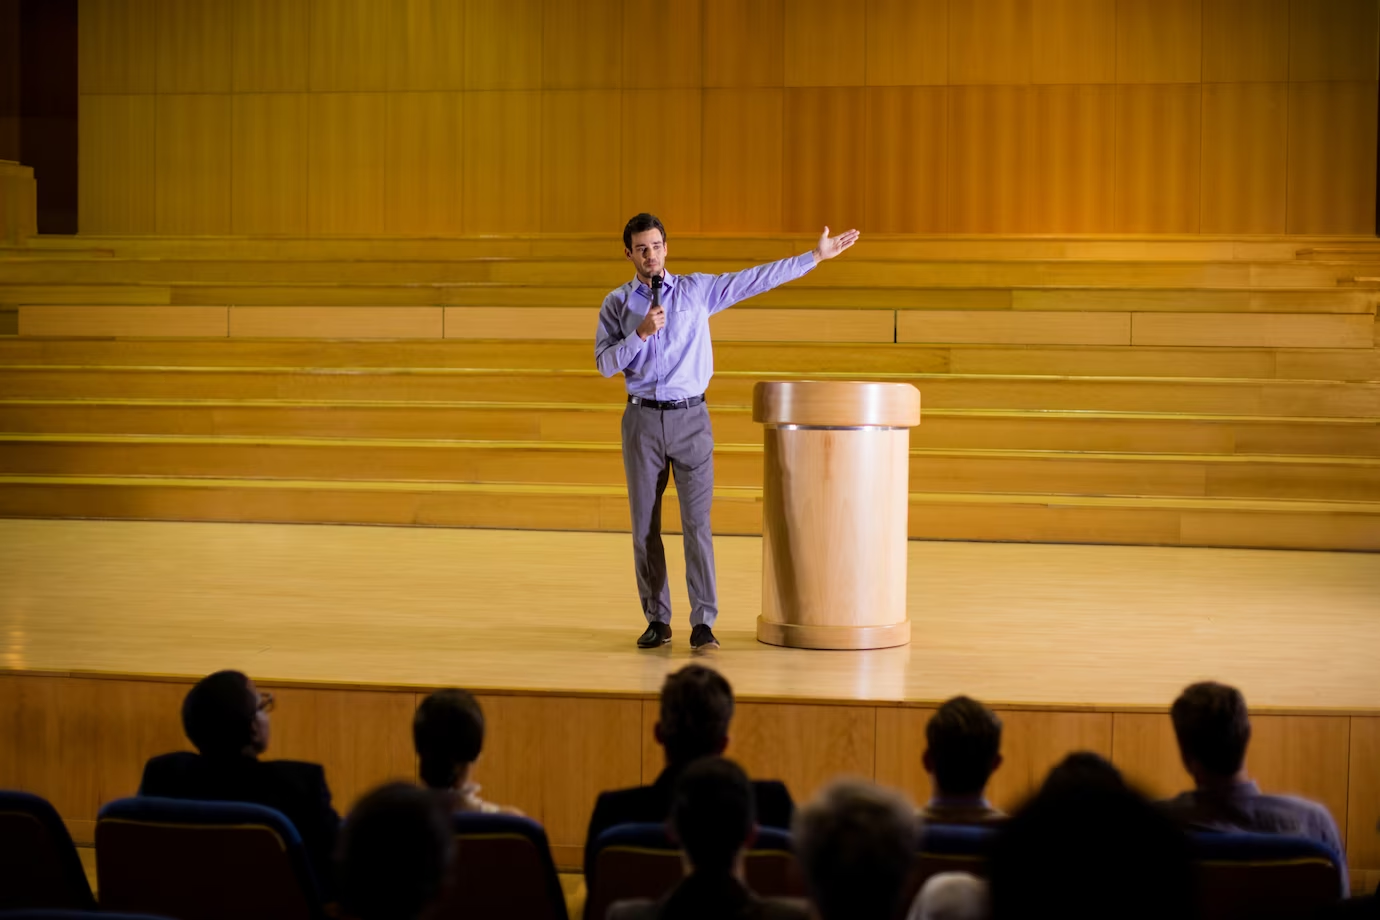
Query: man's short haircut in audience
{"x": 713, "y": 814}
{"x": 218, "y": 714}
{"x": 448, "y": 733}
{"x": 964, "y": 739}
{"x": 856, "y": 844}
{"x": 696, "y": 709}
{"x": 1213, "y": 727}
{"x": 1083, "y": 770}
{"x": 393, "y": 854}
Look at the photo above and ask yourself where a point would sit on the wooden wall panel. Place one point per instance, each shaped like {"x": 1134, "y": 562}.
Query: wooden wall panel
{"x": 1158, "y": 158}
{"x": 661, "y": 158}
{"x": 765, "y": 325}
{"x": 503, "y": 44}
{"x": 348, "y": 163}
{"x": 1260, "y": 330}
{"x": 117, "y": 46}
{"x": 1363, "y": 797}
{"x": 569, "y": 324}
{"x": 1144, "y": 749}
{"x": 663, "y": 46}
{"x": 1034, "y": 742}
{"x": 1074, "y": 41}
{"x": 352, "y": 43}
{"x": 1334, "y": 40}
{"x": 116, "y": 166}
{"x": 336, "y": 322}
{"x": 425, "y": 164}
{"x": 501, "y": 192}
{"x": 803, "y": 746}
{"x": 743, "y": 43}
{"x": 907, "y": 42}
{"x": 825, "y": 44}
{"x": 581, "y": 161}
{"x": 1014, "y": 328}
{"x": 907, "y": 156}
{"x": 582, "y": 44}
{"x": 900, "y": 748}
{"x": 1332, "y": 150}
{"x": 429, "y": 53}
{"x": 194, "y": 46}
{"x": 990, "y": 138}
{"x": 133, "y": 320}
{"x": 1073, "y": 159}
{"x": 1159, "y": 41}
{"x": 742, "y": 160}
{"x": 272, "y": 46}
{"x": 1245, "y": 41}
{"x": 193, "y": 178}
{"x": 989, "y": 41}
{"x": 1245, "y": 140}
{"x": 269, "y": 169}
{"x": 823, "y": 141}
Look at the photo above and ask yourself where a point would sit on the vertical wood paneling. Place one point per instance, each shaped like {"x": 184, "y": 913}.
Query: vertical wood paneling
{"x": 1245, "y": 41}
{"x": 1073, "y": 158}
{"x": 1145, "y": 751}
{"x": 269, "y": 163}
{"x": 1159, "y": 41}
{"x": 1158, "y": 158}
{"x": 743, "y": 43}
{"x": 1332, "y": 148}
{"x": 194, "y": 46}
{"x": 1363, "y": 796}
{"x": 503, "y": 47}
{"x": 1333, "y": 40}
{"x": 989, "y": 41}
{"x": 990, "y": 139}
{"x": 907, "y": 42}
{"x": 193, "y": 181}
{"x": 824, "y": 141}
{"x": 907, "y": 151}
{"x": 742, "y": 160}
{"x": 1245, "y": 137}
{"x": 116, "y": 168}
{"x": 803, "y": 746}
{"x": 352, "y": 42}
{"x": 901, "y": 749}
{"x": 663, "y": 44}
{"x": 117, "y": 46}
{"x": 348, "y": 164}
{"x": 661, "y": 155}
{"x": 429, "y": 53}
{"x": 825, "y": 43}
{"x": 1074, "y": 41}
{"x": 272, "y": 50}
{"x": 1034, "y": 742}
{"x": 425, "y": 164}
{"x": 581, "y": 159}
{"x": 502, "y": 162}
{"x": 582, "y": 44}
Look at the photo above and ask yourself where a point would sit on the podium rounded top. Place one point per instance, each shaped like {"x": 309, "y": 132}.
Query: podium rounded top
{"x": 836, "y": 404}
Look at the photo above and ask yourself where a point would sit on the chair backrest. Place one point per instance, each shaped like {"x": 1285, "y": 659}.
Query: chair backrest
{"x": 1264, "y": 876}
{"x": 195, "y": 860}
{"x": 640, "y": 861}
{"x": 948, "y": 848}
{"x": 39, "y": 866}
{"x": 502, "y": 871}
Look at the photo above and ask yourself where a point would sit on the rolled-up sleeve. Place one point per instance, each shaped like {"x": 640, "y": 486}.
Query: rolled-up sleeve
{"x": 614, "y": 351}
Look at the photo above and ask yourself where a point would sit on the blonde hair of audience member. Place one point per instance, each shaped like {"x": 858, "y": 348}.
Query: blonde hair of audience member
{"x": 951, "y": 896}
{"x": 856, "y": 844}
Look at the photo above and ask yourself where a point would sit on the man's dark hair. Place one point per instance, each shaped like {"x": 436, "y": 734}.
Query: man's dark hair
{"x": 696, "y": 708}
{"x": 964, "y": 740}
{"x": 218, "y": 714}
{"x": 393, "y": 853}
{"x": 641, "y": 223}
{"x": 1084, "y": 770}
{"x": 713, "y": 813}
{"x": 856, "y": 844}
{"x": 448, "y": 733}
{"x": 1212, "y": 726}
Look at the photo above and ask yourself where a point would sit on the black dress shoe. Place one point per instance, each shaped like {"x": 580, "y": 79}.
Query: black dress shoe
{"x": 657, "y": 634}
{"x": 703, "y": 637}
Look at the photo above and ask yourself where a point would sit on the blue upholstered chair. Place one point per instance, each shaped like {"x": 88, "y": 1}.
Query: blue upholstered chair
{"x": 502, "y": 871}
{"x": 39, "y": 866}
{"x": 1264, "y": 875}
{"x": 948, "y": 848}
{"x": 202, "y": 861}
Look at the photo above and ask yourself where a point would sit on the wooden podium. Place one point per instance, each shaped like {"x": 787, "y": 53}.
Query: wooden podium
{"x": 835, "y": 501}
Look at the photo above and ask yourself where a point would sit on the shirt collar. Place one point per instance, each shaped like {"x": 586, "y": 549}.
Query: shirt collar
{"x": 668, "y": 283}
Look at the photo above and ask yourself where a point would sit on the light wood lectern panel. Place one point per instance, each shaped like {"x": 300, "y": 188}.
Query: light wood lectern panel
{"x": 835, "y": 500}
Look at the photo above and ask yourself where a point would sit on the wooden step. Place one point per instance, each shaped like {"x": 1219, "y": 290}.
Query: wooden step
{"x": 1029, "y": 518}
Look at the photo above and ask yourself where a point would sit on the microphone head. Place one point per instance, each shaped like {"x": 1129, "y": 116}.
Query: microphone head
{"x": 656, "y": 283}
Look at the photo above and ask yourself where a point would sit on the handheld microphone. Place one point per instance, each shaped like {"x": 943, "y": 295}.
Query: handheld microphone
{"x": 656, "y": 292}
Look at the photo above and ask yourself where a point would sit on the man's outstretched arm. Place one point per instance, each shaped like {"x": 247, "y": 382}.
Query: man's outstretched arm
{"x": 735, "y": 287}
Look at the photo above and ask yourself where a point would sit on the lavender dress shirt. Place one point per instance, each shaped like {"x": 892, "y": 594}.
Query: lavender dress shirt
{"x": 677, "y": 362}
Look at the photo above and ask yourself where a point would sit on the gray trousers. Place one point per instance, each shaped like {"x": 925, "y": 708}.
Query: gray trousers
{"x": 657, "y": 443}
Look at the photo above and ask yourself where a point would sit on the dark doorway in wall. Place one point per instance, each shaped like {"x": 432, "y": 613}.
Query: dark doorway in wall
{"x": 38, "y": 102}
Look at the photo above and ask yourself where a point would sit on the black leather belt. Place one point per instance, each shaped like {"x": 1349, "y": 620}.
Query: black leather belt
{"x": 688, "y": 403}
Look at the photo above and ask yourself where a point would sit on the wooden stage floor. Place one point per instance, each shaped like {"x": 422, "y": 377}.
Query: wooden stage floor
{"x": 1015, "y": 624}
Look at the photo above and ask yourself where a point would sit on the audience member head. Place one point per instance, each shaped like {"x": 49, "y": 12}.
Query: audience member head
{"x": 951, "y": 896}
{"x": 1213, "y": 729}
{"x": 856, "y": 843}
{"x": 713, "y": 814}
{"x": 392, "y": 854}
{"x": 964, "y": 747}
{"x": 1088, "y": 847}
{"x": 696, "y": 708}
{"x": 225, "y": 715}
{"x": 448, "y": 733}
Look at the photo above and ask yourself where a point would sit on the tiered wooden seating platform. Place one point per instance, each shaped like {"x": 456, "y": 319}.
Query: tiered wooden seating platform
{"x": 1196, "y": 391}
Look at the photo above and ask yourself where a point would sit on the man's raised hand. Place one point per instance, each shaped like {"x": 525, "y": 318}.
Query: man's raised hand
{"x": 830, "y": 246}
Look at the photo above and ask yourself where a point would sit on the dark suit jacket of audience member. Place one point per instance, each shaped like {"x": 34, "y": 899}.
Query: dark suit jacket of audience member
{"x": 295, "y": 788}
{"x": 718, "y": 897}
{"x": 652, "y": 804}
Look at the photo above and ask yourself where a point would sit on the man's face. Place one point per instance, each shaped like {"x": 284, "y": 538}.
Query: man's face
{"x": 648, "y": 253}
